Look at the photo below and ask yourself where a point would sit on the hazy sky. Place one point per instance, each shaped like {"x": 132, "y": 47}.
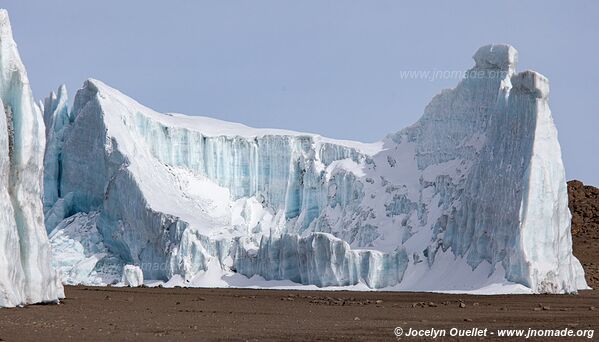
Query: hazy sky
{"x": 328, "y": 67}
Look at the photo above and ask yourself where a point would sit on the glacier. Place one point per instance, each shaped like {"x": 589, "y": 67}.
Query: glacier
{"x": 472, "y": 197}
{"x": 26, "y": 274}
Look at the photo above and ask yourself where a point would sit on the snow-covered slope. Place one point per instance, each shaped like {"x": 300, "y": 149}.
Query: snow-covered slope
{"x": 471, "y": 197}
{"x": 26, "y": 276}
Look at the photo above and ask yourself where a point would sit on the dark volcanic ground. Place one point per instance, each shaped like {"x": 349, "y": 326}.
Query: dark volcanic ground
{"x": 154, "y": 314}
{"x": 144, "y": 314}
{"x": 584, "y": 205}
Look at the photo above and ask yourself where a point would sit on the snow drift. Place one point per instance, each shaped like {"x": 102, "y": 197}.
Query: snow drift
{"x": 26, "y": 276}
{"x": 472, "y": 196}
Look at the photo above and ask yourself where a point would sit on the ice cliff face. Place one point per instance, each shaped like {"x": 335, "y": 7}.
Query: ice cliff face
{"x": 56, "y": 119}
{"x": 26, "y": 276}
{"x": 472, "y": 195}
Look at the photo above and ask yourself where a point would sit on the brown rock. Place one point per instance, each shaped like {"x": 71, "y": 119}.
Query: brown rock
{"x": 583, "y": 201}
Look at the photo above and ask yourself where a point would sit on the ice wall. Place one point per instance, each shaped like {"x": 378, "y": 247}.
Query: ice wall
{"x": 477, "y": 183}
{"x": 510, "y": 207}
{"x": 322, "y": 260}
{"x": 56, "y": 119}
{"x": 26, "y": 276}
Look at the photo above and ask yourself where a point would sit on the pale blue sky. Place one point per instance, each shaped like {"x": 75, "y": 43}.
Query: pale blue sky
{"x": 328, "y": 67}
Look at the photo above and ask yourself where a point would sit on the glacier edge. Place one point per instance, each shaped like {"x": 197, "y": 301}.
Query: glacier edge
{"x": 26, "y": 275}
{"x": 187, "y": 197}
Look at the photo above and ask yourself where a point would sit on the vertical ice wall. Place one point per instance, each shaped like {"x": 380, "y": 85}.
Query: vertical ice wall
{"x": 476, "y": 183}
{"x": 25, "y": 273}
{"x": 545, "y": 234}
{"x": 509, "y": 207}
{"x": 56, "y": 119}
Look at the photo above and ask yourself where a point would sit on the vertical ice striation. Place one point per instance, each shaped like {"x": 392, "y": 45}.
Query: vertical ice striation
{"x": 477, "y": 184}
{"x": 56, "y": 119}
{"x": 26, "y": 275}
{"x": 322, "y": 260}
{"x": 551, "y": 265}
{"x": 511, "y": 206}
